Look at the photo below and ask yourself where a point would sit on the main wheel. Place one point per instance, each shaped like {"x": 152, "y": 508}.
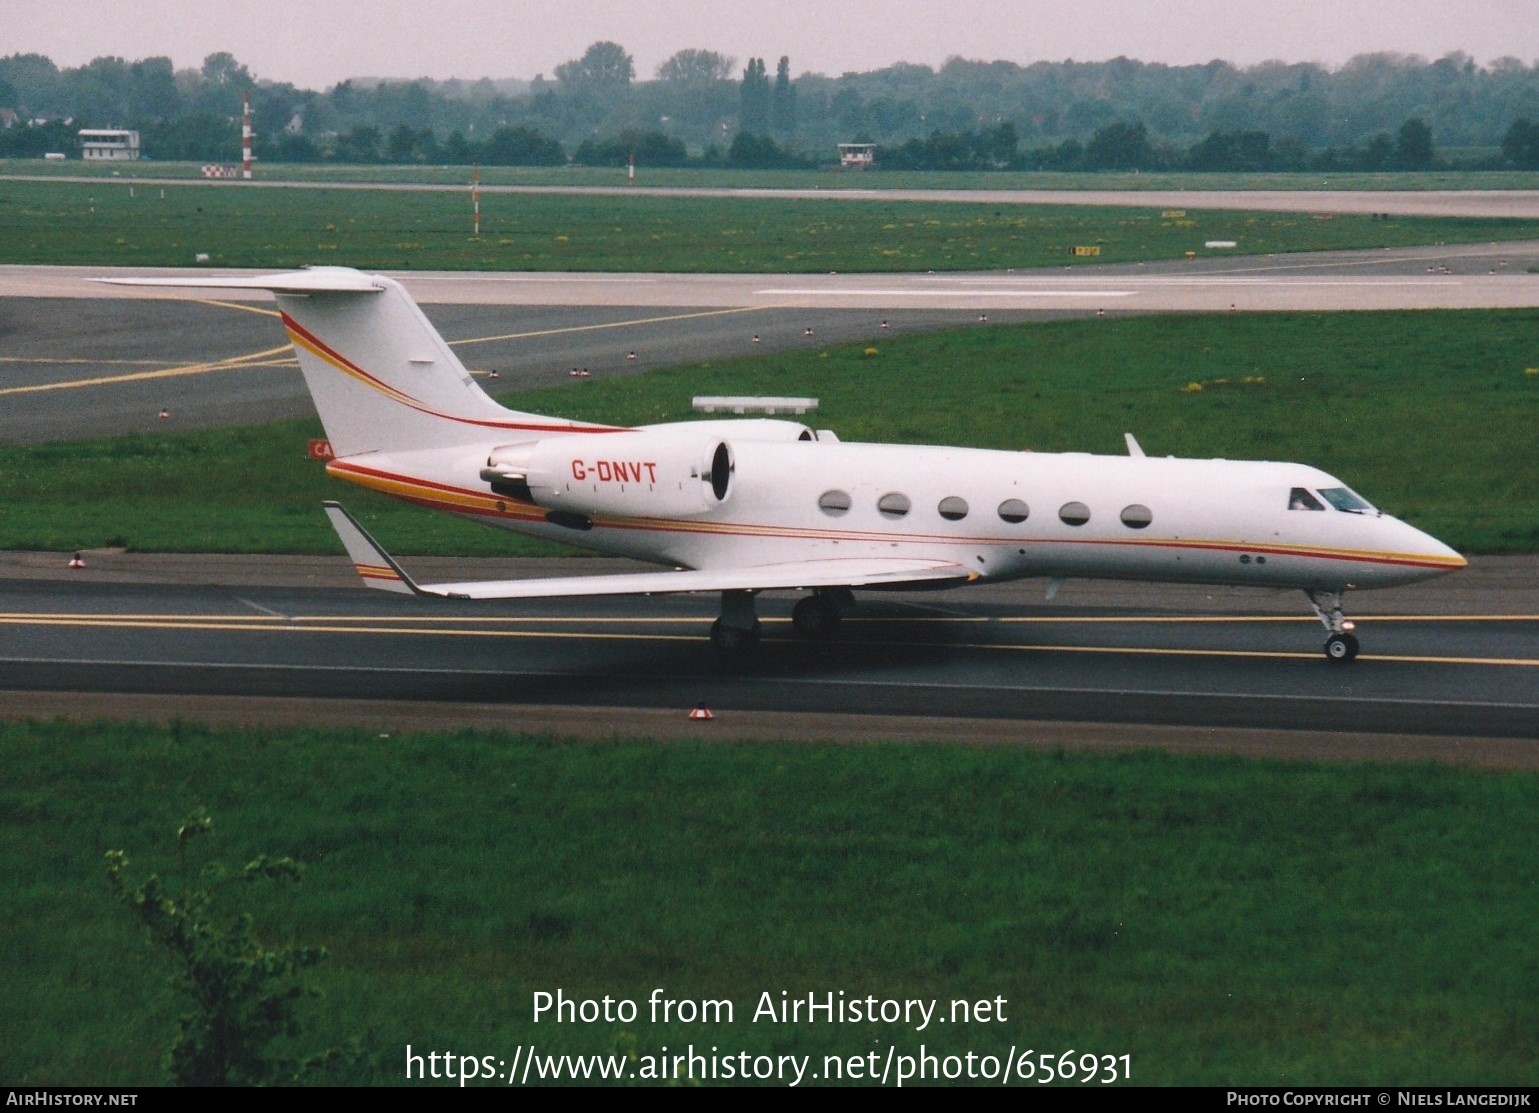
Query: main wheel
{"x": 1340, "y": 648}
{"x": 733, "y": 643}
{"x": 815, "y": 617}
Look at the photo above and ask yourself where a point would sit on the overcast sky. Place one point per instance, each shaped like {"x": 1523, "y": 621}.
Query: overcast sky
{"x": 316, "y": 43}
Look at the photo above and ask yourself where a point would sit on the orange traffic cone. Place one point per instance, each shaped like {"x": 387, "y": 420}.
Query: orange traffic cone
{"x": 701, "y": 711}
{"x": 76, "y": 561}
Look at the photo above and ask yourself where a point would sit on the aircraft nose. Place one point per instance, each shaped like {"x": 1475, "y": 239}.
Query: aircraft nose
{"x": 1435, "y": 556}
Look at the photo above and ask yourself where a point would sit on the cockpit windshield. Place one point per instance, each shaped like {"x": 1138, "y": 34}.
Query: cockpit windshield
{"x": 1344, "y": 499}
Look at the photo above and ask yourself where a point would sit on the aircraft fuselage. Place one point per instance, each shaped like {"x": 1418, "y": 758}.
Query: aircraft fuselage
{"x": 1000, "y": 514}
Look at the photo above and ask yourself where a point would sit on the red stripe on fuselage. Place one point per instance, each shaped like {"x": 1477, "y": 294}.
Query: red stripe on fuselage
{"x": 526, "y": 511}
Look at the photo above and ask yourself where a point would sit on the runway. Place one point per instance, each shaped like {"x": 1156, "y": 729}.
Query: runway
{"x": 1494, "y": 203}
{"x": 212, "y": 360}
{"x": 1455, "y": 662}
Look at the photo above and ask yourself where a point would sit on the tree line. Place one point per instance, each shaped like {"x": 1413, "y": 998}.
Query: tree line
{"x": 1376, "y": 112}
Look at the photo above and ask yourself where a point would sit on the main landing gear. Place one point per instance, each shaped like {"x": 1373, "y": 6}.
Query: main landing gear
{"x": 735, "y": 635}
{"x": 817, "y": 616}
{"x": 1341, "y": 644}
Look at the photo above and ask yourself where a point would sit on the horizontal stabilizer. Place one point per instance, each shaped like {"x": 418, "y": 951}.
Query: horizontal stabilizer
{"x": 380, "y": 571}
{"x": 314, "y": 280}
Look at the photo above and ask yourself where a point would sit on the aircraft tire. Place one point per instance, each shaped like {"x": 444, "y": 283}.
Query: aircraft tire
{"x": 815, "y": 617}
{"x": 733, "y": 643}
{"x": 1340, "y": 648}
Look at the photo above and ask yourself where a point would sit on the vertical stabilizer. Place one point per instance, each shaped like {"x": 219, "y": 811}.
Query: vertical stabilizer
{"x": 381, "y": 377}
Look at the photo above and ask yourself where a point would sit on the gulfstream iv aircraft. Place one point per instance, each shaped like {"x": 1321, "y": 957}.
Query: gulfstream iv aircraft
{"x": 750, "y": 505}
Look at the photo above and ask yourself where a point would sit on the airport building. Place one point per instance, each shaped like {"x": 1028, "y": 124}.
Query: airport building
{"x": 857, "y": 156}
{"x": 108, "y": 144}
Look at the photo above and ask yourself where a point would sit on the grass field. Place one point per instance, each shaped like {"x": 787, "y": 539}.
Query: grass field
{"x": 721, "y": 178}
{"x": 1430, "y": 415}
{"x": 1220, "y": 921}
{"x": 116, "y": 223}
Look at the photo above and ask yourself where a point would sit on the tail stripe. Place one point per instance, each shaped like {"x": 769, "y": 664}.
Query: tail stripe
{"x": 303, "y": 338}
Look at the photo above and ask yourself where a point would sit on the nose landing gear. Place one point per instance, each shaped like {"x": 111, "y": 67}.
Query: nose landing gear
{"x": 1341, "y": 644}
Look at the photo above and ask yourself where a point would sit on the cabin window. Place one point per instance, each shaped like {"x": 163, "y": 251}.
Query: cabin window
{"x": 1343, "y": 499}
{"x": 952, "y": 508}
{"x": 893, "y": 505}
{"x": 1074, "y": 513}
{"x": 1014, "y": 511}
{"x": 835, "y": 504}
{"x": 1300, "y": 499}
{"x": 1136, "y": 516}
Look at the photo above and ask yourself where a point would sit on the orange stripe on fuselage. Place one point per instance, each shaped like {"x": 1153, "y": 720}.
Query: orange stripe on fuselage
{"x": 458, "y": 500}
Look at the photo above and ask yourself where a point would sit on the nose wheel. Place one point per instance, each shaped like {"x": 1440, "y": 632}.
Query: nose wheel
{"x": 1341, "y": 644}
{"x": 1340, "y": 648}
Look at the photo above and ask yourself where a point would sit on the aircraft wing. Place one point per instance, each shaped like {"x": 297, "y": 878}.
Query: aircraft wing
{"x": 379, "y": 570}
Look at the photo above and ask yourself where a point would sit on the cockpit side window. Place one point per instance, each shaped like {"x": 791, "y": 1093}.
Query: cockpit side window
{"x": 1300, "y": 499}
{"x": 1343, "y": 499}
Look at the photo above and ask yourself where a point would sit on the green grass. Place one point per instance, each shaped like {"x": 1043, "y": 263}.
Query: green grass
{"x": 720, "y": 178}
{"x": 1430, "y": 415}
{"x": 1221, "y": 921}
{"x": 119, "y": 224}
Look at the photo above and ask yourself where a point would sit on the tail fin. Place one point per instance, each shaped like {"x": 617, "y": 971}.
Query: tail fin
{"x": 379, "y": 373}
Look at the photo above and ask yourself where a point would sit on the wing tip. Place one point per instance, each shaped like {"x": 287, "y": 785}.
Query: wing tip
{"x": 375, "y": 567}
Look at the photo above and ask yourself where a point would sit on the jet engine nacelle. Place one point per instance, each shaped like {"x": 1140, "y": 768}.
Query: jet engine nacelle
{"x": 629, "y": 474}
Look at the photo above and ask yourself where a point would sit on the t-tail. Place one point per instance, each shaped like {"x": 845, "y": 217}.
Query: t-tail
{"x": 381, "y": 376}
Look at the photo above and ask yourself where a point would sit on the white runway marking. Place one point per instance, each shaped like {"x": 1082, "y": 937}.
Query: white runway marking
{"x": 889, "y": 292}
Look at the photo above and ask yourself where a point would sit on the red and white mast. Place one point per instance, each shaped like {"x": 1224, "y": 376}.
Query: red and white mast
{"x": 245, "y": 137}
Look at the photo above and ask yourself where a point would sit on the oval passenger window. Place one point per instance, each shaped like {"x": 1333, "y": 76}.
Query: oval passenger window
{"x": 834, "y": 503}
{"x": 1014, "y": 510}
{"x": 1074, "y": 513}
{"x": 1136, "y": 516}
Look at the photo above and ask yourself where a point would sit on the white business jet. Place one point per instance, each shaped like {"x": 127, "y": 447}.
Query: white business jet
{"x": 750, "y": 505}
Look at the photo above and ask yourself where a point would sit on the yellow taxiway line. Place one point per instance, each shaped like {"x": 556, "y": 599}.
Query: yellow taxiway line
{"x": 422, "y": 627}
{"x": 231, "y": 364}
{"x": 266, "y": 358}
{"x": 565, "y": 331}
